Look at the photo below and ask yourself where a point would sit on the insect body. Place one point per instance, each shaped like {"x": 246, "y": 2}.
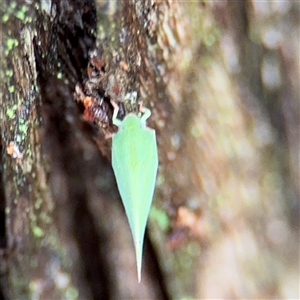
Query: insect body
{"x": 135, "y": 163}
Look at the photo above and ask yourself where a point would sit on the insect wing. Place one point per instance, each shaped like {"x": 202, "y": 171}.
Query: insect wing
{"x": 135, "y": 162}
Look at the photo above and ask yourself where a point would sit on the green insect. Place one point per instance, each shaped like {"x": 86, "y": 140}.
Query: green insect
{"x": 135, "y": 163}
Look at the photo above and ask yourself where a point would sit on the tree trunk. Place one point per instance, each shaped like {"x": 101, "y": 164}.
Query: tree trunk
{"x": 221, "y": 79}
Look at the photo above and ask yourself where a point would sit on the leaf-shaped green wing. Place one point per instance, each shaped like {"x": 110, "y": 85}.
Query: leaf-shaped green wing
{"x": 135, "y": 162}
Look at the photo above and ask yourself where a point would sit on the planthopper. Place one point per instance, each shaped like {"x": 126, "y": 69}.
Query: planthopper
{"x": 135, "y": 163}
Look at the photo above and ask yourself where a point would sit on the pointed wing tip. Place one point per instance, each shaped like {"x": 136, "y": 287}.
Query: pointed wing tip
{"x": 139, "y": 272}
{"x": 138, "y": 250}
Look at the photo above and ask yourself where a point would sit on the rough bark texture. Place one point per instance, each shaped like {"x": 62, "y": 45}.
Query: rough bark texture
{"x": 222, "y": 81}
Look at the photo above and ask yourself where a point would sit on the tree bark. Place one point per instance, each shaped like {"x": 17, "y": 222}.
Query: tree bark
{"x": 221, "y": 82}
